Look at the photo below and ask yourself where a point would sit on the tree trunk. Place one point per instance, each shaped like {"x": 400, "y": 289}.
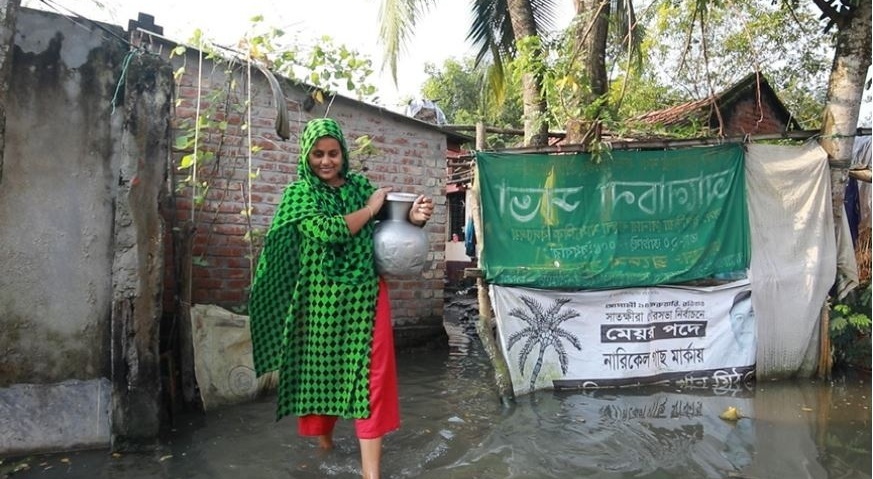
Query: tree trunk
{"x": 536, "y": 128}
{"x": 592, "y": 29}
{"x": 840, "y": 122}
{"x": 590, "y": 36}
{"x": 845, "y": 89}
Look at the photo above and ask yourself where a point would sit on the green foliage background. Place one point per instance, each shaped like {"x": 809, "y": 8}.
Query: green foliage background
{"x": 674, "y": 61}
{"x": 850, "y": 329}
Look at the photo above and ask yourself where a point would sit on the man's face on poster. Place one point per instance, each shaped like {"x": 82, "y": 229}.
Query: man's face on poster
{"x": 743, "y": 321}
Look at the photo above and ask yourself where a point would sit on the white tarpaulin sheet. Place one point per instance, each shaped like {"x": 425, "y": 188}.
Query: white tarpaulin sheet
{"x": 794, "y": 253}
{"x": 691, "y": 336}
{"x": 793, "y": 266}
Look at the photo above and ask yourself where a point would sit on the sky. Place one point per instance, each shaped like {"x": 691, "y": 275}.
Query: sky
{"x": 440, "y": 35}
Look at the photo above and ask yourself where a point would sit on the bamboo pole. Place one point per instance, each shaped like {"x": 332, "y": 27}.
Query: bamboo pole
{"x": 825, "y": 359}
{"x": 494, "y": 129}
{"x": 483, "y": 326}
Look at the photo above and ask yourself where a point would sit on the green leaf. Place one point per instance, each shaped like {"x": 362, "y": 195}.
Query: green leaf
{"x": 182, "y": 142}
{"x": 187, "y": 161}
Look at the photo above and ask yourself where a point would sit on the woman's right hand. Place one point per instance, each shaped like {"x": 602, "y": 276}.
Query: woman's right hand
{"x": 377, "y": 199}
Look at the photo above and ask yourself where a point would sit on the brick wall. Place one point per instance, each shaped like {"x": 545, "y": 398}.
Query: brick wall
{"x": 748, "y": 117}
{"x": 410, "y": 157}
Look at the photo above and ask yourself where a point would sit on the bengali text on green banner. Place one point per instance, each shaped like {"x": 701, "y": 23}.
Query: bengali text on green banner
{"x": 633, "y": 218}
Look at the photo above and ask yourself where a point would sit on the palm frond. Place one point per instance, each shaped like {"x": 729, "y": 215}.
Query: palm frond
{"x": 544, "y": 16}
{"x": 491, "y": 30}
{"x": 565, "y": 315}
{"x": 562, "y": 356}
{"x": 514, "y": 337}
{"x": 398, "y": 19}
{"x": 569, "y": 337}
{"x": 628, "y": 30}
{"x": 533, "y": 305}
{"x": 522, "y": 357}
{"x": 556, "y": 307}
{"x": 496, "y": 82}
{"x": 522, "y": 315}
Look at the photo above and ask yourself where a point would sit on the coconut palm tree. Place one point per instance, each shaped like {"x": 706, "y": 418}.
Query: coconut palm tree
{"x": 499, "y": 28}
{"x": 543, "y": 330}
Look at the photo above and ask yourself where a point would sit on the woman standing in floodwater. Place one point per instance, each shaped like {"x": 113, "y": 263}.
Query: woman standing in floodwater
{"x": 320, "y": 314}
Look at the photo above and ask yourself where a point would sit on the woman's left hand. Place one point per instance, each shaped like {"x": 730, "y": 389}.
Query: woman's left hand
{"x": 422, "y": 209}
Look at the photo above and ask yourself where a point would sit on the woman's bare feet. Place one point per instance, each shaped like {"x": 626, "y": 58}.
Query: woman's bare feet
{"x": 371, "y": 456}
{"x": 325, "y": 442}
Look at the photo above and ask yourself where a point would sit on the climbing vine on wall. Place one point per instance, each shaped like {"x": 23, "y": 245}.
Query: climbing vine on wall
{"x": 214, "y": 142}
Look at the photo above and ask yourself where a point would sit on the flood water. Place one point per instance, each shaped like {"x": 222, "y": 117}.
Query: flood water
{"x": 454, "y": 426}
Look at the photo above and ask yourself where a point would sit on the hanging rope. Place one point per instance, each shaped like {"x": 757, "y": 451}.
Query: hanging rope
{"x": 281, "y": 129}
{"x": 195, "y": 165}
{"x": 121, "y": 79}
{"x": 196, "y": 131}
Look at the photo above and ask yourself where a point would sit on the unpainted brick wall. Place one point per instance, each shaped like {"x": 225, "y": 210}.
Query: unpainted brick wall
{"x": 410, "y": 157}
{"x": 749, "y": 117}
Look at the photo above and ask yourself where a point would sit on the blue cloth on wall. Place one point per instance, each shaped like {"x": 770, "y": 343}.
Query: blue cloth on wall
{"x": 851, "y": 200}
{"x": 470, "y": 239}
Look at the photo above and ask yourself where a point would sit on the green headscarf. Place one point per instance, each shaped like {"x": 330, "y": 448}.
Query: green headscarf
{"x": 315, "y": 129}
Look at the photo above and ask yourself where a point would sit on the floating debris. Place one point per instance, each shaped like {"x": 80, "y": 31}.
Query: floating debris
{"x": 731, "y": 414}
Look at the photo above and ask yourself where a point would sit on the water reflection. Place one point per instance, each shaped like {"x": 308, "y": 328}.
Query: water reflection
{"x": 455, "y": 427}
{"x": 634, "y": 433}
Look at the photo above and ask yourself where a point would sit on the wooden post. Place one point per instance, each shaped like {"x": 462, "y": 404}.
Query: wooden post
{"x": 484, "y": 325}
{"x": 184, "y": 252}
{"x": 825, "y": 360}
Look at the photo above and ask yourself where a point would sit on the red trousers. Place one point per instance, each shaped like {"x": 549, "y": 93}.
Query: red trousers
{"x": 384, "y": 400}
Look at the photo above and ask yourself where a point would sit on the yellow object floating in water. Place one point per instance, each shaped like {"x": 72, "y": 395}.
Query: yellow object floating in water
{"x": 731, "y": 414}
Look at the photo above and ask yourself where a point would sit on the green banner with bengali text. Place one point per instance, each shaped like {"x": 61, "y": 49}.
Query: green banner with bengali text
{"x": 633, "y": 218}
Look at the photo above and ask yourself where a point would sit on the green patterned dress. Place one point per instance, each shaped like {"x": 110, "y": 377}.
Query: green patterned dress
{"x": 313, "y": 298}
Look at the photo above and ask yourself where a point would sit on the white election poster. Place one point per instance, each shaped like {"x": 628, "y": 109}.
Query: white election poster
{"x": 693, "y": 336}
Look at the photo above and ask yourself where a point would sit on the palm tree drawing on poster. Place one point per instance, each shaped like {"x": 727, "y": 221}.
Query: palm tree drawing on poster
{"x": 543, "y": 330}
